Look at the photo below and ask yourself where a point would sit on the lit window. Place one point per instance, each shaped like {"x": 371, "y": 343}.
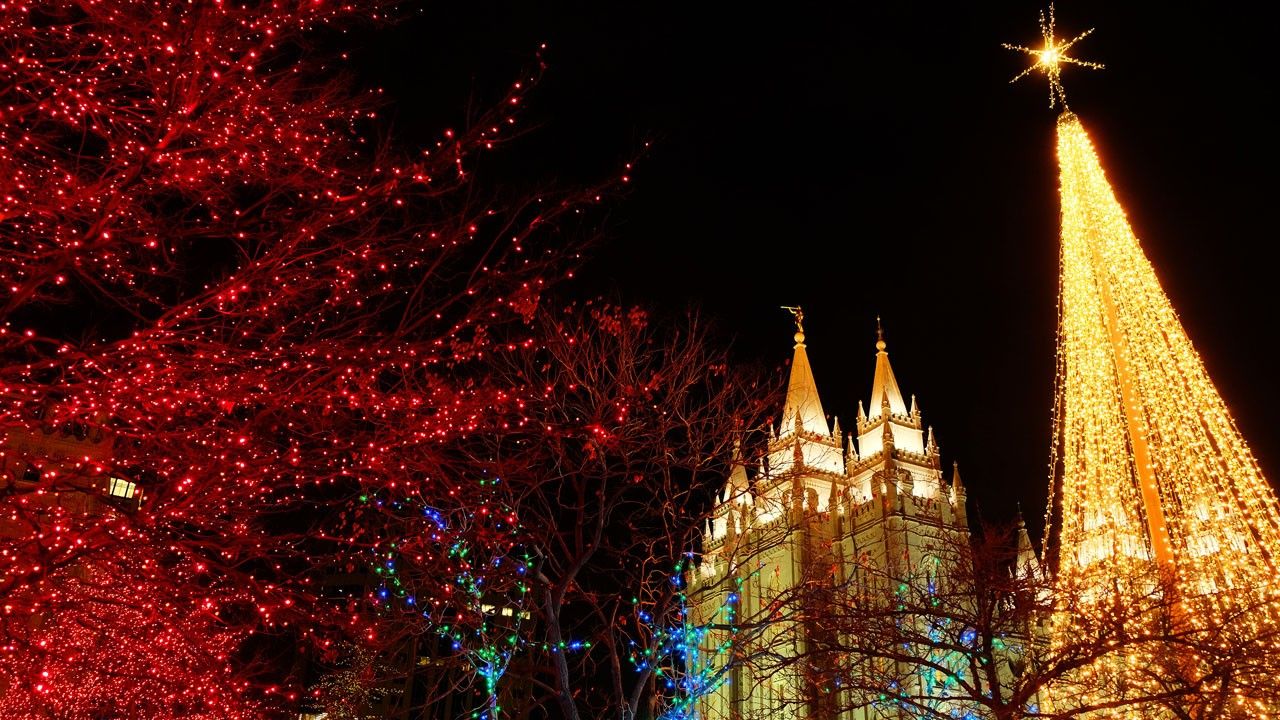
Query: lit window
{"x": 121, "y": 488}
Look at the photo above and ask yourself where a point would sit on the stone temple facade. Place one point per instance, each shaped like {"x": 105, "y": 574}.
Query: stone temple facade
{"x": 823, "y": 507}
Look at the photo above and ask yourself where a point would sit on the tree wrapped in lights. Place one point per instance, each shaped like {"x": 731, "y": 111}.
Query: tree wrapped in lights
{"x": 1154, "y": 492}
{"x": 690, "y": 656}
{"x": 229, "y": 324}
{"x": 1158, "y": 490}
{"x": 625, "y": 426}
{"x": 477, "y": 613}
{"x": 354, "y": 687}
{"x": 174, "y": 663}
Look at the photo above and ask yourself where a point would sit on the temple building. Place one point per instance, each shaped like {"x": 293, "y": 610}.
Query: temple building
{"x": 824, "y": 508}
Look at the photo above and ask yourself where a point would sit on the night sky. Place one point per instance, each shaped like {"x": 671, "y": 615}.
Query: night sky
{"x": 862, "y": 159}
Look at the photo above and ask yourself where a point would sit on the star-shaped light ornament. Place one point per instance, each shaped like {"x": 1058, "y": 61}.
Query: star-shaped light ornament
{"x": 1051, "y": 57}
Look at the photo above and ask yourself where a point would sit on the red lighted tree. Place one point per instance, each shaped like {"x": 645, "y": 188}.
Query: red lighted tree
{"x": 93, "y": 649}
{"x": 231, "y": 325}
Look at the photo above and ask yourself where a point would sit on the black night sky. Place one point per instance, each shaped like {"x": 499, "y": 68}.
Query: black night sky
{"x": 870, "y": 158}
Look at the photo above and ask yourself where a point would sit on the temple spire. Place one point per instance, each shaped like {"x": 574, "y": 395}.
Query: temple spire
{"x": 803, "y": 407}
{"x": 958, "y": 496}
{"x": 737, "y": 489}
{"x": 1028, "y": 565}
{"x": 884, "y": 384}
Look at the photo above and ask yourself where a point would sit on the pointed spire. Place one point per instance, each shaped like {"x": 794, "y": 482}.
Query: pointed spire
{"x": 931, "y": 446}
{"x": 862, "y": 413}
{"x": 915, "y": 409}
{"x": 835, "y": 429}
{"x": 802, "y": 403}
{"x": 1027, "y": 563}
{"x": 737, "y": 487}
{"x": 885, "y": 384}
{"x": 958, "y": 501}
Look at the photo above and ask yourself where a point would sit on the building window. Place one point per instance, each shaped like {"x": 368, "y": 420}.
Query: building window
{"x": 121, "y": 488}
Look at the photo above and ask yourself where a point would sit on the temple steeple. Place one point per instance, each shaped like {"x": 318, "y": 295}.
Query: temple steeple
{"x": 889, "y": 416}
{"x": 958, "y": 495}
{"x": 738, "y": 487}
{"x": 884, "y": 383}
{"x": 734, "y": 499}
{"x": 805, "y": 444}
{"x": 803, "y": 405}
{"x": 1027, "y": 564}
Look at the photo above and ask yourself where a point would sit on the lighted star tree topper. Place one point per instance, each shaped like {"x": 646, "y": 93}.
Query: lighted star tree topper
{"x": 1051, "y": 56}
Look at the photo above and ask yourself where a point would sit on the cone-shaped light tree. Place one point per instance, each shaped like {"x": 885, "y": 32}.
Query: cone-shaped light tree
{"x": 1154, "y": 466}
{"x": 1156, "y": 498}
{"x": 1161, "y": 500}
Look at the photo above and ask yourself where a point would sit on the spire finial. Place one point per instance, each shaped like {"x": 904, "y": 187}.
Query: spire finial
{"x": 879, "y": 335}
{"x": 797, "y": 312}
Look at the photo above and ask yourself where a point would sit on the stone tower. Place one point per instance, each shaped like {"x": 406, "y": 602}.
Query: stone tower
{"x": 821, "y": 511}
